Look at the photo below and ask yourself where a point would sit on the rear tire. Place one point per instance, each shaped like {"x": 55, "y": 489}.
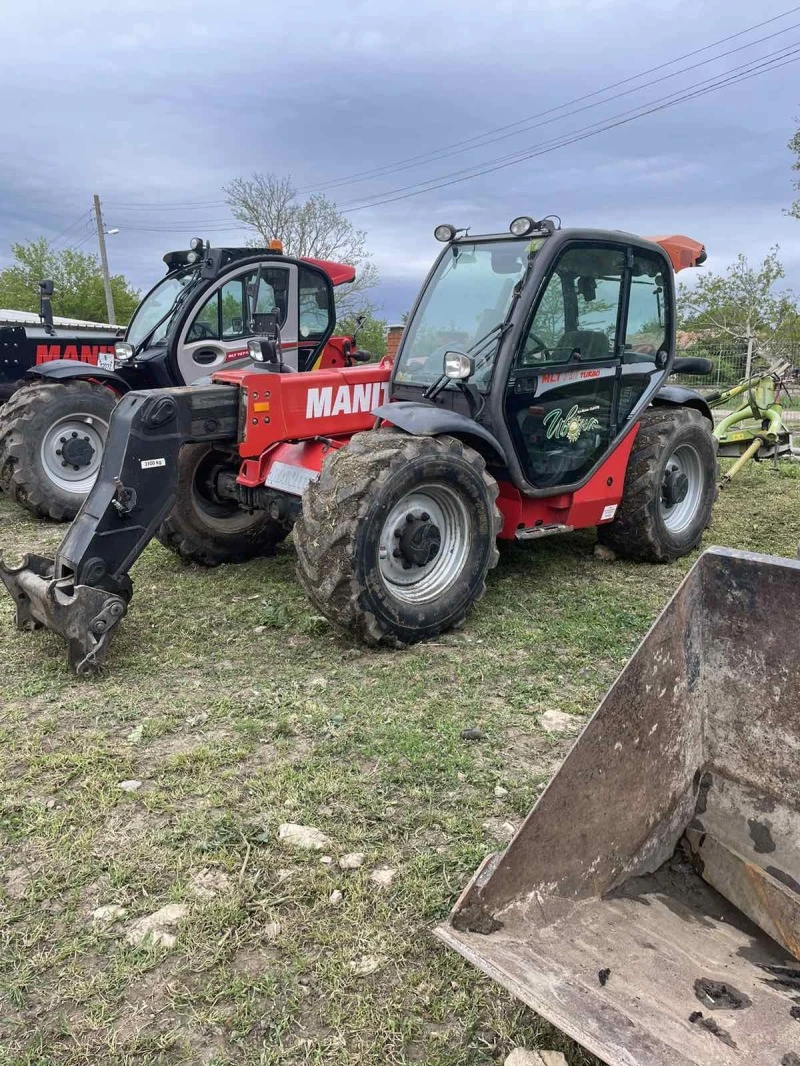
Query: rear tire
{"x": 202, "y": 529}
{"x": 670, "y": 488}
{"x": 44, "y": 425}
{"x": 397, "y": 536}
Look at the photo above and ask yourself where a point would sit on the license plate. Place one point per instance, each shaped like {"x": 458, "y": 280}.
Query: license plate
{"x": 105, "y": 360}
{"x": 288, "y": 478}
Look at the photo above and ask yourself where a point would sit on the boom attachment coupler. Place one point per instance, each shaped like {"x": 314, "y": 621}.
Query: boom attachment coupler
{"x": 82, "y": 594}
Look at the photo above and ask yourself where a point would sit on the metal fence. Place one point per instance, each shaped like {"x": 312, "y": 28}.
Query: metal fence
{"x": 730, "y": 367}
{"x": 730, "y": 363}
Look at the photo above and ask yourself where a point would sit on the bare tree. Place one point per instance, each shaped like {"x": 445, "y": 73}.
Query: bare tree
{"x": 314, "y": 227}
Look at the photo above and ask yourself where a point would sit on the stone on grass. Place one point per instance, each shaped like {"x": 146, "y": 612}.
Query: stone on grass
{"x": 351, "y": 861}
{"x": 383, "y": 878}
{"x": 111, "y": 912}
{"x": 208, "y": 884}
{"x": 272, "y": 930}
{"x": 327, "y": 860}
{"x": 520, "y": 1057}
{"x": 500, "y": 792}
{"x": 604, "y": 554}
{"x": 366, "y": 964}
{"x": 17, "y": 881}
{"x": 303, "y": 836}
{"x": 559, "y": 722}
{"x": 335, "y": 898}
{"x": 155, "y": 930}
{"x": 130, "y": 786}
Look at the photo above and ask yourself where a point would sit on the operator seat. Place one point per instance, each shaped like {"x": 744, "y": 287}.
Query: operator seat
{"x": 589, "y": 344}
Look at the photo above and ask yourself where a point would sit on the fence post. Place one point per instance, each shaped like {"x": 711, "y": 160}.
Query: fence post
{"x": 749, "y": 363}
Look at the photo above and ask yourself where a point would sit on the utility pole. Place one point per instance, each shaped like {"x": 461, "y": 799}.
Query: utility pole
{"x": 101, "y": 240}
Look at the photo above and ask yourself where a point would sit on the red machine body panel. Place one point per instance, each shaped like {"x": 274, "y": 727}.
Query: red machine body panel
{"x": 281, "y": 411}
{"x": 325, "y": 403}
{"x": 591, "y": 505}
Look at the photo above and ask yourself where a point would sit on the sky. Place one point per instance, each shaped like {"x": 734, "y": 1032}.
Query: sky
{"x": 156, "y": 105}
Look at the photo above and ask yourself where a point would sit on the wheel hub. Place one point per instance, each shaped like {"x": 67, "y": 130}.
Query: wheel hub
{"x": 675, "y": 487}
{"x": 418, "y": 540}
{"x": 76, "y": 451}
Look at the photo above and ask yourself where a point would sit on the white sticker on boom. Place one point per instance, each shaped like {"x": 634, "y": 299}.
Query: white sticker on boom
{"x": 148, "y": 464}
{"x": 608, "y": 512}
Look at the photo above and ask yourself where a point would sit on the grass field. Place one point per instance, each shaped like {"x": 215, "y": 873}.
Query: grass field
{"x": 238, "y": 710}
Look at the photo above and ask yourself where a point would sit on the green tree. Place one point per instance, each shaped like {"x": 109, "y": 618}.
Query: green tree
{"x": 371, "y": 336}
{"x": 314, "y": 227}
{"x": 794, "y": 147}
{"x": 77, "y": 278}
{"x": 743, "y": 306}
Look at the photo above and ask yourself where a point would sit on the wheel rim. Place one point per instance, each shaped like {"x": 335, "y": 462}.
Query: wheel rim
{"x": 224, "y": 516}
{"x": 72, "y": 450}
{"x": 681, "y": 488}
{"x": 424, "y": 543}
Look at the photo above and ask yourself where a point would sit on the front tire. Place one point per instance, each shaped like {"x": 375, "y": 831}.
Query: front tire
{"x": 52, "y": 438}
{"x": 204, "y": 529}
{"x": 670, "y": 488}
{"x": 397, "y": 536}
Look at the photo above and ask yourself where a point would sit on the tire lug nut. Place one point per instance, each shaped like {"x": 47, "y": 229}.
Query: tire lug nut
{"x": 397, "y": 533}
{"x": 425, "y": 516}
{"x": 63, "y": 440}
{"x": 63, "y": 462}
{"x": 58, "y": 451}
{"x": 74, "y": 433}
{"x": 396, "y": 553}
{"x": 409, "y": 517}
{"x": 406, "y": 566}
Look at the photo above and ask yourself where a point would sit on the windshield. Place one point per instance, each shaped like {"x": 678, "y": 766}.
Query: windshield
{"x": 468, "y": 296}
{"x": 158, "y": 308}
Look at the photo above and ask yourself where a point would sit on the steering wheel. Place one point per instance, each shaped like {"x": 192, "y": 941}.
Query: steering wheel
{"x": 541, "y": 352}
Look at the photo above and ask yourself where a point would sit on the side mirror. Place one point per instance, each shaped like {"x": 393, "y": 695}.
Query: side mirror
{"x": 458, "y": 366}
{"x": 262, "y": 351}
{"x": 46, "y": 289}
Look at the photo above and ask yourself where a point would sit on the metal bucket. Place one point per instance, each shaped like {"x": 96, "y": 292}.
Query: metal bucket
{"x": 649, "y": 905}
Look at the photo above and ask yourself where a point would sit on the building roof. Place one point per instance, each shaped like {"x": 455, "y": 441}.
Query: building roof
{"x": 29, "y": 318}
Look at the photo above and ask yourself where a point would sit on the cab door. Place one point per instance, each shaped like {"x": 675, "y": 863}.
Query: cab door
{"x": 216, "y": 335}
{"x": 577, "y": 379}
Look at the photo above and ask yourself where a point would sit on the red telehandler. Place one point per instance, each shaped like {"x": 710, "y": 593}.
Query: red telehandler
{"x": 529, "y": 397}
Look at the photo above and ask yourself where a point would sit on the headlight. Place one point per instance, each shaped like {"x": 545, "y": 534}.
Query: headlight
{"x": 522, "y": 226}
{"x": 123, "y": 352}
{"x": 196, "y": 244}
{"x": 255, "y": 350}
{"x": 458, "y": 366}
{"x": 444, "y": 233}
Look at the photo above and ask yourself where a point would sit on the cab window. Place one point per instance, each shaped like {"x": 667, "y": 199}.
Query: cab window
{"x": 316, "y": 315}
{"x": 576, "y": 317}
{"x": 232, "y": 309}
{"x": 206, "y": 324}
{"x": 648, "y": 307}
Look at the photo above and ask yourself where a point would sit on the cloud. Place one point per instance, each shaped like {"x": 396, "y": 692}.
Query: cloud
{"x": 157, "y": 105}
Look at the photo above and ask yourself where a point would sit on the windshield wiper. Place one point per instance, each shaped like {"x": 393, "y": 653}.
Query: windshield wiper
{"x": 433, "y": 390}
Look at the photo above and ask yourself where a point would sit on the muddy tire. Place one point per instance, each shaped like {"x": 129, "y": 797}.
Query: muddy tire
{"x": 206, "y": 530}
{"x": 397, "y": 536}
{"x": 52, "y": 438}
{"x": 670, "y": 488}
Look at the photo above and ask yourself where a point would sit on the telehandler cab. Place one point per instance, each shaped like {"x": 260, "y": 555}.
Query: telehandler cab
{"x": 197, "y": 319}
{"x": 528, "y": 398}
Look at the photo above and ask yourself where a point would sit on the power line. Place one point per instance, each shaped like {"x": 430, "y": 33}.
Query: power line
{"x": 71, "y": 226}
{"x": 720, "y": 81}
{"x": 458, "y": 147}
{"x": 500, "y": 132}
